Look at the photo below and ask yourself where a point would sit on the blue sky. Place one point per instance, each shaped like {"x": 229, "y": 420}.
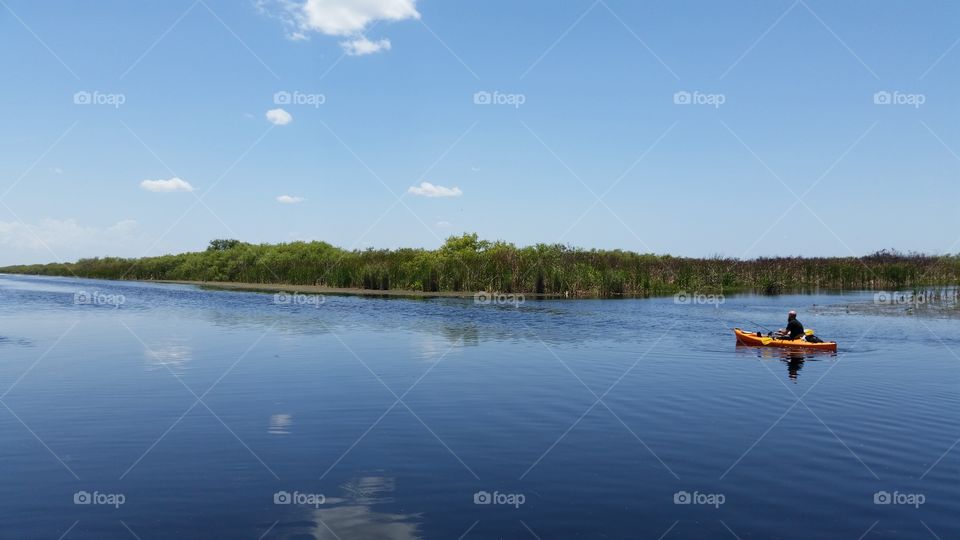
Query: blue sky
{"x": 784, "y": 149}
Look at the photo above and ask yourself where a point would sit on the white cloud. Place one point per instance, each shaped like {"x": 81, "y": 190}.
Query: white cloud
{"x": 444, "y": 224}
{"x": 55, "y": 234}
{"x": 279, "y": 117}
{"x": 426, "y": 189}
{"x": 127, "y": 226}
{"x": 166, "y": 186}
{"x": 362, "y": 46}
{"x": 288, "y": 199}
{"x": 349, "y": 18}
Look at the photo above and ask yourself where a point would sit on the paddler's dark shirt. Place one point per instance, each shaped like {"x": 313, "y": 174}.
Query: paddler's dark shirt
{"x": 795, "y": 329}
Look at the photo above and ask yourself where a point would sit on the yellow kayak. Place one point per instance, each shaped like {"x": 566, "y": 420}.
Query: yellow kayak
{"x": 756, "y": 340}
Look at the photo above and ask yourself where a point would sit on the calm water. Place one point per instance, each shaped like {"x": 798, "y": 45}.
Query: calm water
{"x": 185, "y": 413}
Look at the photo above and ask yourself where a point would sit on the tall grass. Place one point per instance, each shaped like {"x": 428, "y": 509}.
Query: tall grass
{"x": 466, "y": 263}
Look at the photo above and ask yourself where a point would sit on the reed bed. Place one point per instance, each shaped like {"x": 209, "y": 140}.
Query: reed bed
{"x": 467, "y": 263}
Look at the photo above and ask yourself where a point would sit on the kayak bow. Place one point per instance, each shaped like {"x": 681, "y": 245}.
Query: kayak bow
{"x": 753, "y": 340}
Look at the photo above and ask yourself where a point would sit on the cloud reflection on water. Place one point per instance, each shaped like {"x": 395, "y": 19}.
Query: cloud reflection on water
{"x": 280, "y": 424}
{"x": 173, "y": 356}
{"x": 353, "y": 515}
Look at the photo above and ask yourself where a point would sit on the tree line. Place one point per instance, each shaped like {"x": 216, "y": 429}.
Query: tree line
{"x": 466, "y": 263}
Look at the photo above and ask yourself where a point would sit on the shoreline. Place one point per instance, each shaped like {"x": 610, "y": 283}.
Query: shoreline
{"x": 353, "y": 291}
{"x": 338, "y": 291}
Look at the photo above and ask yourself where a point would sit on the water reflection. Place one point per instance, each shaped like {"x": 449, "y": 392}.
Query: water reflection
{"x": 15, "y": 341}
{"x": 793, "y": 359}
{"x": 360, "y": 522}
{"x": 370, "y": 489}
{"x": 454, "y": 333}
{"x": 280, "y": 424}
{"x": 432, "y": 346}
{"x": 172, "y": 356}
{"x": 474, "y": 323}
{"x": 794, "y": 363}
{"x": 353, "y": 515}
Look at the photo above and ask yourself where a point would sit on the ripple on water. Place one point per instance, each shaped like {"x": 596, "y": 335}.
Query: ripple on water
{"x": 506, "y": 393}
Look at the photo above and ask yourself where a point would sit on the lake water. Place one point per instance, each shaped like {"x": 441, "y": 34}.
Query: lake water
{"x": 162, "y": 411}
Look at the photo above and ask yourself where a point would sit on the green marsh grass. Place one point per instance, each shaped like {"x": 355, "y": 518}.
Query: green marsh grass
{"x": 466, "y": 263}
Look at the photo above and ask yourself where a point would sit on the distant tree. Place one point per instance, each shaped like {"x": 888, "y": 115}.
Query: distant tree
{"x": 466, "y": 243}
{"x": 222, "y": 244}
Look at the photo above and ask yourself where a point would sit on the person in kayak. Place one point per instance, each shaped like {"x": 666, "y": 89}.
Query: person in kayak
{"x": 794, "y": 329}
